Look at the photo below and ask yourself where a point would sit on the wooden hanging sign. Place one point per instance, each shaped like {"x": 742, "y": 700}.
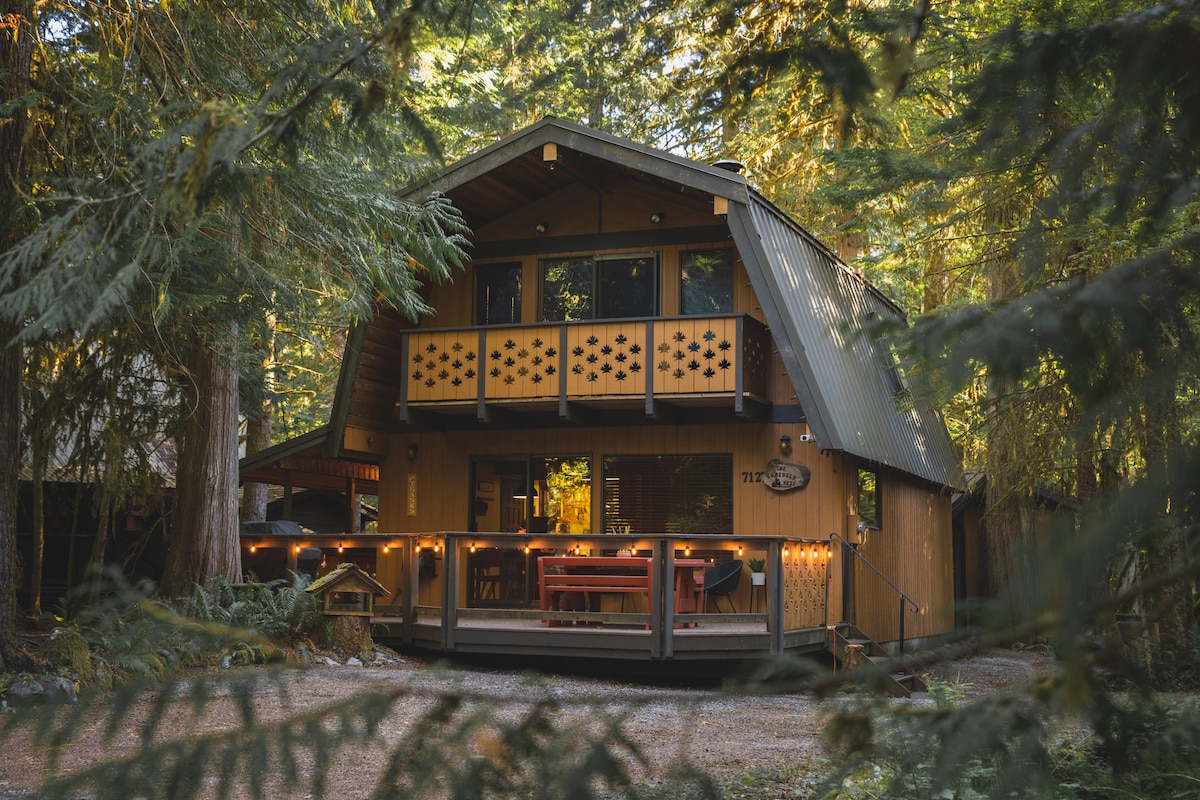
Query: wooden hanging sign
{"x": 783, "y": 477}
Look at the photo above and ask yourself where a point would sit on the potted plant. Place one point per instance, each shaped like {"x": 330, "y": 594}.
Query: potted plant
{"x": 757, "y": 576}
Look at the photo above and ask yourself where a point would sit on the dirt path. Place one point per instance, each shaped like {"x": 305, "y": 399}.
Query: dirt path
{"x": 672, "y": 726}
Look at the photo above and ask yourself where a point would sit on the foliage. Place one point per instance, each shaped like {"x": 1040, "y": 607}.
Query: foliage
{"x": 280, "y": 610}
{"x": 528, "y": 744}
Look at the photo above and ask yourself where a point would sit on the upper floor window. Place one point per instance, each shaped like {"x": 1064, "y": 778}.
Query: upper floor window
{"x": 599, "y": 287}
{"x": 497, "y": 294}
{"x": 706, "y": 282}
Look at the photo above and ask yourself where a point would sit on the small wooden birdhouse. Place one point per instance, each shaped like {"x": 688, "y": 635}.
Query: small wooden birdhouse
{"x": 347, "y": 591}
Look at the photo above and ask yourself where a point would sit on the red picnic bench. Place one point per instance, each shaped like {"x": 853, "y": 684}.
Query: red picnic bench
{"x": 588, "y": 575}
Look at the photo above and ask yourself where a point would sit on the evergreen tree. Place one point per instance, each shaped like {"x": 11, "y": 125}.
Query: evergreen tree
{"x": 223, "y": 162}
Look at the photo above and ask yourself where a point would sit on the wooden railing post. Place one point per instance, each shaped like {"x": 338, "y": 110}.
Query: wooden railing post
{"x": 410, "y": 586}
{"x": 775, "y": 589}
{"x": 450, "y": 592}
{"x": 664, "y": 585}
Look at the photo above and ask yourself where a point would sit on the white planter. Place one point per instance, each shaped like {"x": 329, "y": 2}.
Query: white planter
{"x": 758, "y": 579}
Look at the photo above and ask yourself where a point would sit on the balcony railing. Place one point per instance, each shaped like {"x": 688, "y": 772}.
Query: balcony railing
{"x": 662, "y": 357}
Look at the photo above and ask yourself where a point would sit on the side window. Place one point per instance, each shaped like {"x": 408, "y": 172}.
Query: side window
{"x": 497, "y": 294}
{"x": 706, "y": 278}
{"x": 869, "y": 510}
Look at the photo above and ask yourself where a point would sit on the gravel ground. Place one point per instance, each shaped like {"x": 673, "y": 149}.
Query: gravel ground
{"x": 670, "y": 725}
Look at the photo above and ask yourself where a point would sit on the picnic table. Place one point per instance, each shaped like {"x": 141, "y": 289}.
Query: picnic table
{"x": 588, "y": 576}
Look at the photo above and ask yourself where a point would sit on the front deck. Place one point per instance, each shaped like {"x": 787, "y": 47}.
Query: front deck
{"x": 473, "y": 593}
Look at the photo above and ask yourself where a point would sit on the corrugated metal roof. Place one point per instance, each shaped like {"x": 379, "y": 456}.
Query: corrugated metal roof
{"x": 821, "y": 314}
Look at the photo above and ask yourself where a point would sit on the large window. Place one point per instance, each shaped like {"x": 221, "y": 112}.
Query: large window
{"x": 706, "y": 282}
{"x": 539, "y": 494}
{"x": 669, "y": 494}
{"x": 497, "y": 294}
{"x": 600, "y": 287}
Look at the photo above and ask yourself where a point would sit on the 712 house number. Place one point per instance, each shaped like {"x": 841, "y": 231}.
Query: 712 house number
{"x": 752, "y": 477}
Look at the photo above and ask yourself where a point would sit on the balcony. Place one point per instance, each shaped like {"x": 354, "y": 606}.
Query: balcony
{"x": 656, "y": 367}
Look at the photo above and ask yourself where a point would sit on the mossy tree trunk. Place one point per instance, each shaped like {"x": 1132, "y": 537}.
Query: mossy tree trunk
{"x": 203, "y": 543}
{"x": 16, "y": 54}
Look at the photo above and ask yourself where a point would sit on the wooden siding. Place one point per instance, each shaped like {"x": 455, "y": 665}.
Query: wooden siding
{"x": 914, "y": 549}
{"x": 443, "y": 495}
{"x": 453, "y": 301}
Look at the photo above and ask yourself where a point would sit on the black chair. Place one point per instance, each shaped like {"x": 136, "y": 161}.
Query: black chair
{"x": 722, "y": 580}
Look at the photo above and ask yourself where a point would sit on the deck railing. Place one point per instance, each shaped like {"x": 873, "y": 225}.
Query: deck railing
{"x": 440, "y": 597}
{"x": 667, "y": 356}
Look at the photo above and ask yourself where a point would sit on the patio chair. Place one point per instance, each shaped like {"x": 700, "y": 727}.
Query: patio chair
{"x": 722, "y": 580}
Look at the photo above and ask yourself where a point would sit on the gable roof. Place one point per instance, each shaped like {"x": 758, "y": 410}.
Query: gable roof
{"x": 818, "y": 310}
{"x": 351, "y": 573}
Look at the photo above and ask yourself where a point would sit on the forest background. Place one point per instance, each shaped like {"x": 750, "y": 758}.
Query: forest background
{"x": 198, "y": 198}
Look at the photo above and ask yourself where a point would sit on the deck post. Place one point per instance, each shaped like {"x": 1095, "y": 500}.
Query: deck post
{"x": 450, "y": 592}
{"x": 409, "y": 586}
{"x": 775, "y": 586}
{"x": 664, "y": 586}
{"x": 658, "y": 565}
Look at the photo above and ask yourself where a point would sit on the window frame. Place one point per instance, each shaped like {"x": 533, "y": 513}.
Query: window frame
{"x": 597, "y": 264}
{"x": 683, "y": 255}
{"x": 725, "y": 469}
{"x": 476, "y": 310}
{"x": 874, "y": 522}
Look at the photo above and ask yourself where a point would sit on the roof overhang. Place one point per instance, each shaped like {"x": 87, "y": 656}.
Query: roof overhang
{"x": 301, "y": 463}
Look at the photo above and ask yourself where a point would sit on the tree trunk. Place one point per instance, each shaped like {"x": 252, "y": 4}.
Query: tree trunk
{"x": 258, "y": 438}
{"x": 16, "y": 52}
{"x": 38, "y": 461}
{"x": 258, "y": 428}
{"x": 1169, "y": 608}
{"x": 203, "y": 543}
{"x": 100, "y": 542}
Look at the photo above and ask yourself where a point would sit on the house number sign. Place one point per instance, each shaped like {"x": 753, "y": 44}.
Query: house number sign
{"x": 783, "y": 477}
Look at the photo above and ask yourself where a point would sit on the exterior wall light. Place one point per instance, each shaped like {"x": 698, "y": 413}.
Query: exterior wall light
{"x": 785, "y": 445}
{"x": 412, "y": 451}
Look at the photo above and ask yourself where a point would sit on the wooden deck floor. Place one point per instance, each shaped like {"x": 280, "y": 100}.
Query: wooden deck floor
{"x": 709, "y": 639}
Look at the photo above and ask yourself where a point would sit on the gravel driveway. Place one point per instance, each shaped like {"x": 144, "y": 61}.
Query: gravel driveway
{"x": 671, "y": 726}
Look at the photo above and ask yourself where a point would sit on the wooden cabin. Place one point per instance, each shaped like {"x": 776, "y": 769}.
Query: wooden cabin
{"x": 644, "y": 356}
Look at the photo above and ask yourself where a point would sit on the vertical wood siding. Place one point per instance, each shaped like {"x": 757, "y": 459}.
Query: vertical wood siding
{"x": 915, "y": 549}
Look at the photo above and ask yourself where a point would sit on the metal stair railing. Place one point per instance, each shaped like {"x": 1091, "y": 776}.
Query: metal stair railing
{"x": 903, "y": 597}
